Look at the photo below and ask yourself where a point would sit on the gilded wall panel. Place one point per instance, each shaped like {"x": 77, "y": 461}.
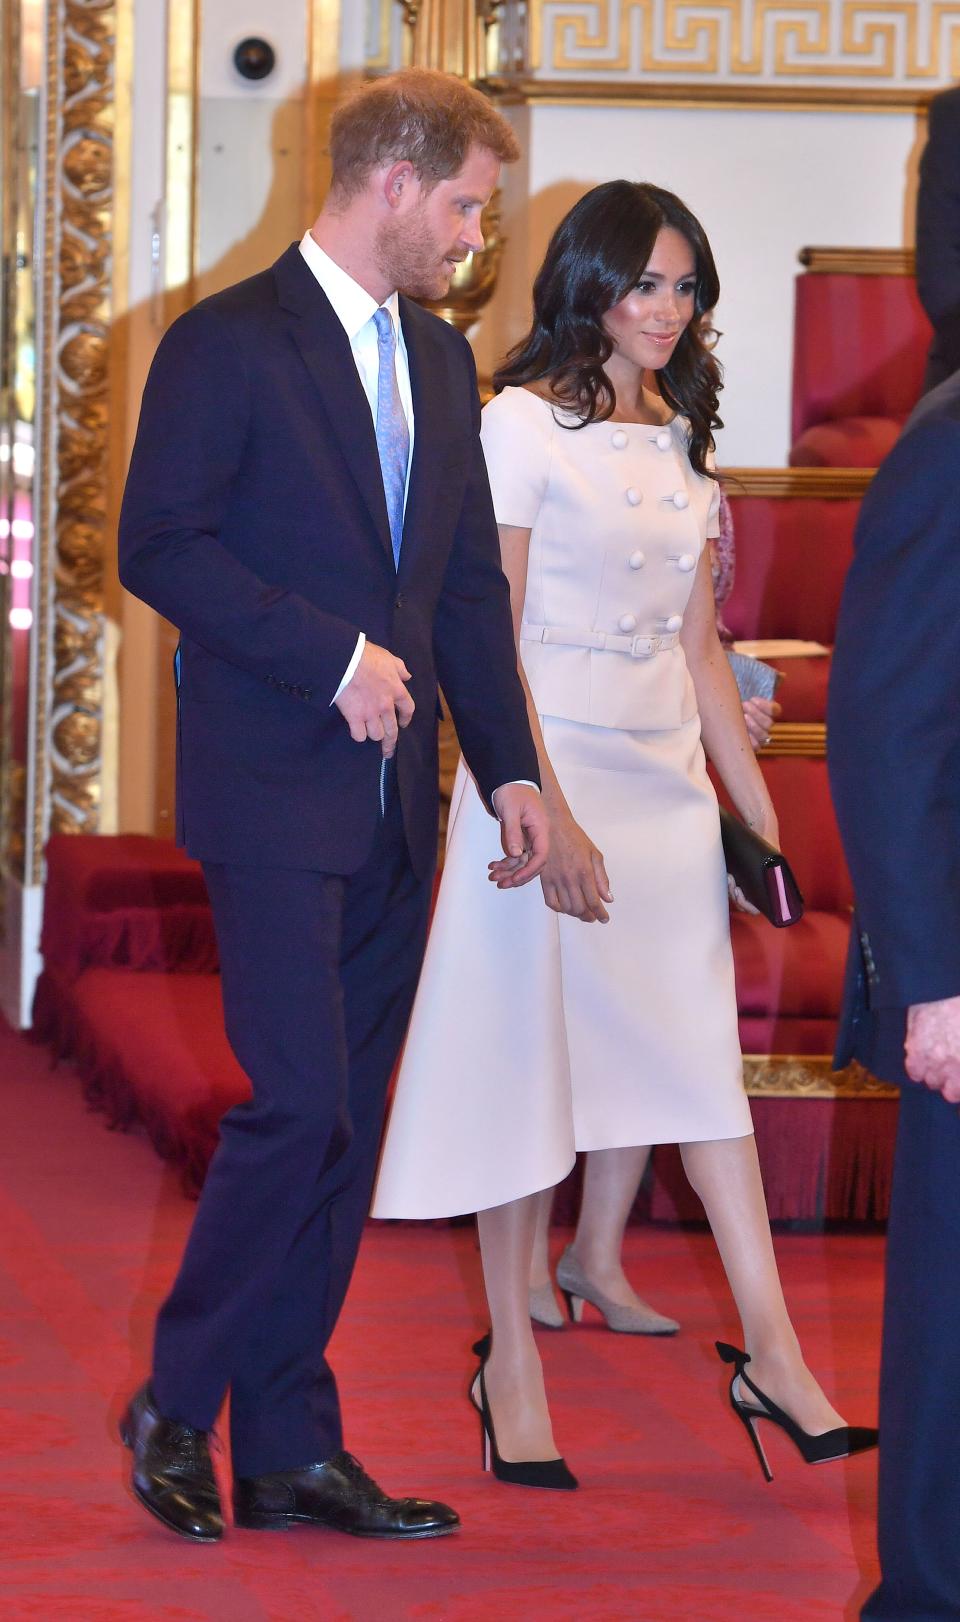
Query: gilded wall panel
{"x": 885, "y": 44}
{"x": 76, "y": 328}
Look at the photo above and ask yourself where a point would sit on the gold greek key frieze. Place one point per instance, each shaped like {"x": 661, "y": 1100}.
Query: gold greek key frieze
{"x": 792, "y": 1075}
{"x": 77, "y": 312}
{"x": 896, "y": 42}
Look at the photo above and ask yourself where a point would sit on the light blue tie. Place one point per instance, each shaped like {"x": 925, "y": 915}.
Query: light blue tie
{"x": 393, "y": 435}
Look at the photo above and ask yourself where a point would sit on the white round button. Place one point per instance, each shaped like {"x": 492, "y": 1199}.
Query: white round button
{"x": 685, "y": 562}
{"x": 634, "y": 496}
{"x": 681, "y": 499}
{"x": 627, "y": 622}
{"x": 674, "y": 622}
{"x": 619, "y": 440}
{"x": 664, "y": 440}
{"x": 637, "y": 560}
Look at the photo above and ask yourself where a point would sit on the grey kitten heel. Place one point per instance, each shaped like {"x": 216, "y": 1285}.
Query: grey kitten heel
{"x": 623, "y": 1320}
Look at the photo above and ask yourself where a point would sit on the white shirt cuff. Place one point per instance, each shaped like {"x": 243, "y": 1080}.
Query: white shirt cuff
{"x": 351, "y": 669}
{"x": 516, "y": 782}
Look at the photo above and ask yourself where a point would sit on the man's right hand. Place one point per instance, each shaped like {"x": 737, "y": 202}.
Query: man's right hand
{"x": 375, "y": 703}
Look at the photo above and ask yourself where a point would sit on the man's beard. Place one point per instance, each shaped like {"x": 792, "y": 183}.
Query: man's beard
{"x": 410, "y": 259}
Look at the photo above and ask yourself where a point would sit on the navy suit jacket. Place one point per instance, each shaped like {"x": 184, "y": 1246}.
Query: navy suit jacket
{"x": 893, "y": 730}
{"x": 254, "y": 519}
{"x": 938, "y": 234}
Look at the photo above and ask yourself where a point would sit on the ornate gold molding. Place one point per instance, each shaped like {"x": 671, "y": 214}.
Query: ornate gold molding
{"x": 792, "y": 1075}
{"x": 858, "y": 261}
{"x": 12, "y": 774}
{"x": 779, "y": 97}
{"x": 77, "y": 310}
{"x": 456, "y": 36}
{"x": 809, "y": 483}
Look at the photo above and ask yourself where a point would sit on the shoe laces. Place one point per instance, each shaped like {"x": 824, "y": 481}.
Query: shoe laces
{"x": 351, "y": 1467}
{"x": 190, "y": 1446}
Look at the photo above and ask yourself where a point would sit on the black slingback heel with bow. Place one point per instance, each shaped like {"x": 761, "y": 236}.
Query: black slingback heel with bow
{"x": 838, "y": 1443}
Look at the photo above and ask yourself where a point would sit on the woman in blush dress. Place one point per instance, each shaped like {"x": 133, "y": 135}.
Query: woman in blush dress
{"x": 591, "y": 1267}
{"x": 591, "y": 1023}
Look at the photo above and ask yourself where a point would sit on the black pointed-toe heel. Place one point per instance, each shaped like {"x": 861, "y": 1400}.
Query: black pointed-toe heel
{"x": 839, "y": 1443}
{"x": 522, "y": 1472}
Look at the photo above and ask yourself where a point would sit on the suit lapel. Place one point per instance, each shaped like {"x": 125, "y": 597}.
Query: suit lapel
{"x": 431, "y": 397}
{"x": 325, "y": 349}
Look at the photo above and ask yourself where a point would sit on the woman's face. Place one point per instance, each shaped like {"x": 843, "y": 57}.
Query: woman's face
{"x": 646, "y": 326}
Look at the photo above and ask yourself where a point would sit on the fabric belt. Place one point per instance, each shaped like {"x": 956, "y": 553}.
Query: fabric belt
{"x": 567, "y": 636}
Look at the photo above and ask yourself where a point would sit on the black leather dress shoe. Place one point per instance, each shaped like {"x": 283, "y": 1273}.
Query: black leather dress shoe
{"x": 338, "y": 1494}
{"x": 172, "y": 1471}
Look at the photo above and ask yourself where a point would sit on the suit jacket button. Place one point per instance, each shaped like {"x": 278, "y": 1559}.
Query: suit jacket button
{"x": 398, "y": 601}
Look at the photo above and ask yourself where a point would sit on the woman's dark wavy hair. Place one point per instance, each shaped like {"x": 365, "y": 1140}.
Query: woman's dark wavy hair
{"x": 596, "y": 256}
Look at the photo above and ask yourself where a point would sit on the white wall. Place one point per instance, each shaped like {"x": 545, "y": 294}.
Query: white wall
{"x": 764, "y": 184}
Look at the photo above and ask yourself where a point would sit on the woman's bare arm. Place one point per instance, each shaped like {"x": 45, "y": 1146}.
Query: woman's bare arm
{"x": 721, "y": 711}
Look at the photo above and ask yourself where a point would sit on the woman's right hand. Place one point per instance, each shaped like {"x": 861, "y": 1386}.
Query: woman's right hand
{"x": 574, "y": 879}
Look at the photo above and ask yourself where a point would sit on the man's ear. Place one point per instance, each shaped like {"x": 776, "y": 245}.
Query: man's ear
{"x": 398, "y": 181}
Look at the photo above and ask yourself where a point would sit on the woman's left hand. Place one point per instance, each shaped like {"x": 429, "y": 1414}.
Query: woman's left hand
{"x": 759, "y": 715}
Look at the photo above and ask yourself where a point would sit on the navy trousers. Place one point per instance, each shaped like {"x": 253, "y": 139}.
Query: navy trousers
{"x": 919, "y": 1519}
{"x": 319, "y": 973}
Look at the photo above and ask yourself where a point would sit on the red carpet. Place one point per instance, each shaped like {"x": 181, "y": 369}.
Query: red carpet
{"x": 673, "y": 1522}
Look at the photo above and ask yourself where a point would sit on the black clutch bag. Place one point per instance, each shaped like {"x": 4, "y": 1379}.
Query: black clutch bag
{"x": 763, "y": 874}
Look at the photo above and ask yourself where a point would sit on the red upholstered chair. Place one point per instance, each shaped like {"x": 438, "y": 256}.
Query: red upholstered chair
{"x": 860, "y": 345}
{"x": 789, "y": 981}
{"x": 792, "y": 556}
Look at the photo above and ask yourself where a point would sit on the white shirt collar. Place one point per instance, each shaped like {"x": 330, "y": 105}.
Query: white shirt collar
{"x": 352, "y": 304}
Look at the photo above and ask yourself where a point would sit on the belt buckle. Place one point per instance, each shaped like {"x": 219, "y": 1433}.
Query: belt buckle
{"x": 651, "y": 646}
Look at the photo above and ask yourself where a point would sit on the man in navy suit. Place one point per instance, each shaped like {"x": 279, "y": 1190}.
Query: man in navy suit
{"x": 938, "y": 234}
{"x": 894, "y": 749}
{"x": 307, "y": 502}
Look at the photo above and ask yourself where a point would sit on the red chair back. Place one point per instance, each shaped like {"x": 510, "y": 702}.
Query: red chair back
{"x": 859, "y": 348}
{"x": 792, "y": 557}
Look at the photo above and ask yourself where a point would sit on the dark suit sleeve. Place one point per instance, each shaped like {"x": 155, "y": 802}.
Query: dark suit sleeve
{"x": 474, "y": 646}
{"x": 938, "y": 214}
{"x": 188, "y": 451}
{"x": 894, "y": 719}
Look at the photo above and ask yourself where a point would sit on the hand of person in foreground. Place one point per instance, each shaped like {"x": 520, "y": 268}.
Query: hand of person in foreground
{"x": 524, "y": 834}
{"x": 375, "y": 703}
{"x": 574, "y": 878}
{"x": 932, "y": 1049}
{"x": 759, "y": 715}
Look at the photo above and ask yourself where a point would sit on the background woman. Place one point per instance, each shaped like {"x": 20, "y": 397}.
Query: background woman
{"x": 532, "y": 1036}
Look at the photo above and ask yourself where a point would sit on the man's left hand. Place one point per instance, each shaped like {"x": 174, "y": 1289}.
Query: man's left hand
{"x": 524, "y": 834}
{"x": 932, "y": 1052}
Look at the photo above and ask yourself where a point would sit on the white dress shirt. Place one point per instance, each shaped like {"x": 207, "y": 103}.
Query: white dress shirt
{"x": 354, "y": 308}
